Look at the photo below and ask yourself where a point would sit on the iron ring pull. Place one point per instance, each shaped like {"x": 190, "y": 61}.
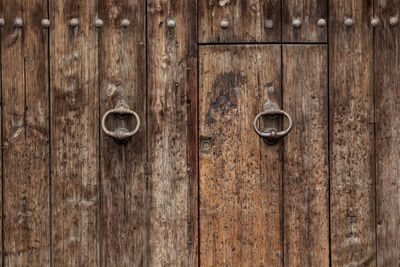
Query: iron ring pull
{"x": 271, "y": 136}
{"x": 121, "y": 134}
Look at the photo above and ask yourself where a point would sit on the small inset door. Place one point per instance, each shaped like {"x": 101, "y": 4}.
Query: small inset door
{"x": 260, "y": 201}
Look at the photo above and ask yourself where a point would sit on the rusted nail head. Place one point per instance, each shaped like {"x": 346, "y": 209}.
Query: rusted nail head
{"x": 321, "y": 23}
{"x": 296, "y": 23}
{"x": 269, "y": 24}
{"x": 348, "y": 22}
{"x": 374, "y": 22}
{"x": 171, "y": 23}
{"x": 394, "y": 21}
{"x": 18, "y": 23}
{"x": 74, "y": 22}
{"x": 45, "y": 23}
{"x": 224, "y": 23}
{"x": 125, "y": 23}
{"x": 98, "y": 23}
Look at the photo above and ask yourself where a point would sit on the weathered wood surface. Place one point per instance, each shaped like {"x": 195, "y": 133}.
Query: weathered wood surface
{"x": 25, "y": 135}
{"x": 240, "y": 212}
{"x": 137, "y": 203}
{"x": 248, "y": 21}
{"x": 352, "y": 186}
{"x": 308, "y": 12}
{"x": 305, "y": 159}
{"x": 172, "y": 134}
{"x": 74, "y": 134}
{"x": 122, "y": 77}
{"x": 387, "y": 85}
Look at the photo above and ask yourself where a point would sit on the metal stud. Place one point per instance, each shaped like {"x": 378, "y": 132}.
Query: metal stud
{"x": 269, "y": 24}
{"x": 125, "y": 23}
{"x": 321, "y": 23}
{"x": 394, "y": 21}
{"x": 45, "y": 23}
{"x": 98, "y": 23}
{"x": 2, "y": 22}
{"x": 18, "y": 23}
{"x": 296, "y": 23}
{"x": 74, "y": 22}
{"x": 224, "y": 23}
{"x": 348, "y": 22}
{"x": 171, "y": 23}
{"x": 374, "y": 22}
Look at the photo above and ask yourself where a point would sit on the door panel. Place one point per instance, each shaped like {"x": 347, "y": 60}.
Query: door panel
{"x": 25, "y": 92}
{"x": 387, "y": 84}
{"x": 240, "y": 204}
{"x": 308, "y": 13}
{"x": 244, "y": 214}
{"x": 305, "y": 159}
{"x": 74, "y": 134}
{"x": 123, "y": 184}
{"x": 248, "y": 21}
{"x": 352, "y": 120}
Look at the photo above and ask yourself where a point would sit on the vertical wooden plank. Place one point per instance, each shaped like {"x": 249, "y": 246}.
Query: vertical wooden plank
{"x": 1, "y": 133}
{"x": 249, "y": 21}
{"x": 352, "y": 163}
{"x": 240, "y": 176}
{"x": 172, "y": 133}
{"x": 387, "y": 84}
{"x": 25, "y": 135}
{"x": 308, "y": 12}
{"x": 74, "y": 133}
{"x": 122, "y": 68}
{"x": 306, "y": 178}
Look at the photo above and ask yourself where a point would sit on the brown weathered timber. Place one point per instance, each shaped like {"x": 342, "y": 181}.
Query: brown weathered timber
{"x": 248, "y": 21}
{"x": 74, "y": 134}
{"x": 240, "y": 176}
{"x": 387, "y": 85}
{"x": 122, "y": 75}
{"x": 352, "y": 135}
{"x": 25, "y": 135}
{"x": 172, "y": 134}
{"x": 309, "y": 12}
{"x": 306, "y": 179}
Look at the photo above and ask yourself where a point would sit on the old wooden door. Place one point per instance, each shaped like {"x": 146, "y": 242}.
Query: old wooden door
{"x": 196, "y": 185}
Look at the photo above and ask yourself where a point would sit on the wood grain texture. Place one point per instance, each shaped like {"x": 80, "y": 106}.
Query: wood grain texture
{"x": 25, "y": 135}
{"x": 352, "y": 185}
{"x": 172, "y": 134}
{"x": 306, "y": 178}
{"x": 246, "y": 21}
{"x": 240, "y": 176}
{"x": 387, "y": 84}
{"x": 122, "y": 76}
{"x": 74, "y": 134}
{"x": 1, "y": 136}
{"x": 309, "y": 12}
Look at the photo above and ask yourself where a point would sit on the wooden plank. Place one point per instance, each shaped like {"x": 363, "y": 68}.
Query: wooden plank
{"x": 249, "y": 21}
{"x": 308, "y": 12}
{"x": 172, "y": 134}
{"x": 306, "y": 178}
{"x": 1, "y": 133}
{"x": 25, "y": 91}
{"x": 240, "y": 176}
{"x": 387, "y": 84}
{"x": 123, "y": 184}
{"x": 352, "y": 163}
{"x": 74, "y": 134}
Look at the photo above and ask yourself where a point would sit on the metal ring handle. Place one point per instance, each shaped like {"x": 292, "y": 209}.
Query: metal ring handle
{"x": 120, "y": 134}
{"x": 273, "y": 135}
